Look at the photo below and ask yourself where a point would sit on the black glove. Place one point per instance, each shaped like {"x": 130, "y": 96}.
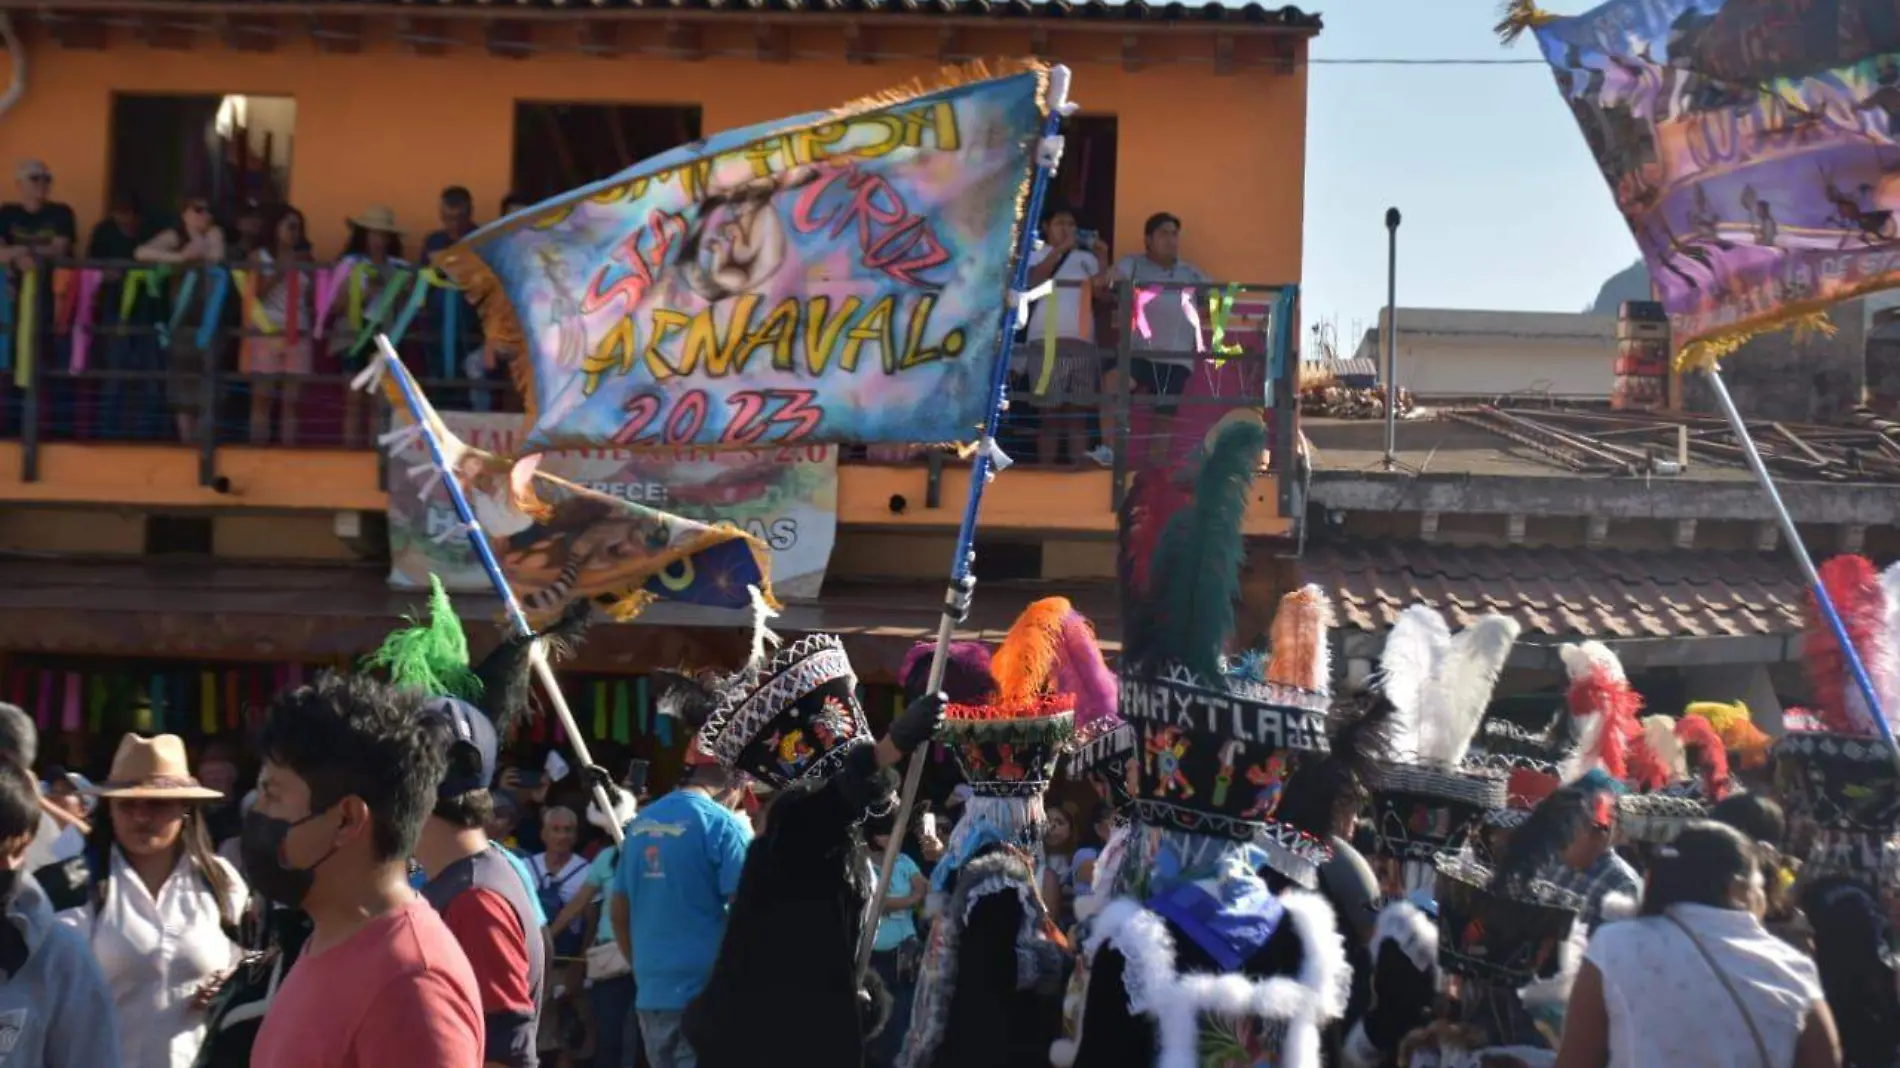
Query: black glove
{"x": 595, "y": 775}
{"x": 915, "y": 725}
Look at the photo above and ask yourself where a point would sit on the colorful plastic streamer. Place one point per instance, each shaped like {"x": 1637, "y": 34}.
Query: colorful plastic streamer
{"x": 623, "y": 726}
{"x": 1221, "y": 305}
{"x": 214, "y": 306}
{"x": 24, "y": 338}
{"x": 86, "y": 297}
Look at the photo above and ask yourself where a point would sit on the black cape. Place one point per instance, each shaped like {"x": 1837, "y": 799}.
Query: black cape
{"x": 783, "y": 982}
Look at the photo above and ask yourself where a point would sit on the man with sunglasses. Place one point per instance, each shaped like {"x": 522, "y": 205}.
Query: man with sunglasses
{"x": 35, "y": 225}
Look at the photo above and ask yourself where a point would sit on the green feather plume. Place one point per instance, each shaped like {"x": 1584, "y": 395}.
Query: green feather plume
{"x": 1196, "y": 572}
{"x": 430, "y": 655}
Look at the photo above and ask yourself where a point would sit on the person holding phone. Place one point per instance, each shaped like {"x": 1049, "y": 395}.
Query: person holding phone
{"x": 1065, "y": 388}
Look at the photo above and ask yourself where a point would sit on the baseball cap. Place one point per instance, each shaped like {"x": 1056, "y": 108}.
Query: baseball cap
{"x": 473, "y": 746}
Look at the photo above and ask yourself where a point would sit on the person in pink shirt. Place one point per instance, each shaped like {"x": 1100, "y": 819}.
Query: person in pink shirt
{"x": 348, "y": 778}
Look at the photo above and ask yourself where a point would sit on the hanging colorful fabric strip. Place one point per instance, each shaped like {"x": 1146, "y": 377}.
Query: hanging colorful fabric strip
{"x": 1048, "y": 345}
{"x": 417, "y": 295}
{"x": 7, "y": 302}
{"x": 65, "y": 295}
{"x": 1144, "y": 296}
{"x": 98, "y": 696}
{"x": 385, "y": 303}
{"x": 452, "y": 336}
{"x": 233, "y": 705}
{"x": 329, "y": 284}
{"x": 24, "y": 338}
{"x": 293, "y": 307}
{"x": 600, "y": 710}
{"x": 214, "y": 307}
{"x": 74, "y": 696}
{"x": 641, "y": 708}
{"x": 256, "y": 318}
{"x": 85, "y": 306}
{"x": 623, "y": 727}
{"x": 1221, "y": 305}
{"x": 1193, "y": 316}
{"x": 147, "y": 716}
{"x": 208, "y": 702}
{"x": 150, "y": 280}
{"x": 181, "y": 304}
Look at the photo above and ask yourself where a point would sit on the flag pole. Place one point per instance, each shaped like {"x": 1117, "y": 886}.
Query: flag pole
{"x": 989, "y": 459}
{"x": 1862, "y": 681}
{"x": 425, "y": 427}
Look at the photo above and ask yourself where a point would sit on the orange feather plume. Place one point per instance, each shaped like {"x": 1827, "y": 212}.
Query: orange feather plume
{"x": 1025, "y": 664}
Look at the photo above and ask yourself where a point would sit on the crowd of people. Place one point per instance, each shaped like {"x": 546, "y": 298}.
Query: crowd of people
{"x": 1063, "y": 367}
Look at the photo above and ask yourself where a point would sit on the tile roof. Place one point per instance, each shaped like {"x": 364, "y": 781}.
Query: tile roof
{"x": 1570, "y": 594}
{"x": 1286, "y": 17}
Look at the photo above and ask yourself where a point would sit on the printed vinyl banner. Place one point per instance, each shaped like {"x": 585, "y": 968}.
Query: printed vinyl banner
{"x": 785, "y": 496}
{"x": 1753, "y": 145}
{"x": 834, "y": 277}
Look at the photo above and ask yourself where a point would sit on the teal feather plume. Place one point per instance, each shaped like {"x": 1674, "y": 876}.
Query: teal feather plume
{"x": 1196, "y": 572}
{"x": 430, "y": 654}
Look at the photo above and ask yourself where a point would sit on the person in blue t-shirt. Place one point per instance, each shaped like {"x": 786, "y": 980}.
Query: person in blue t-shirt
{"x": 677, "y": 872}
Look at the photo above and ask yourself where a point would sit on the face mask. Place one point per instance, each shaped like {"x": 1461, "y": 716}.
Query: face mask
{"x": 261, "y": 847}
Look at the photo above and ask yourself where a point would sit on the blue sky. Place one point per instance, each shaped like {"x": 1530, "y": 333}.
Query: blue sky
{"x": 1503, "y": 207}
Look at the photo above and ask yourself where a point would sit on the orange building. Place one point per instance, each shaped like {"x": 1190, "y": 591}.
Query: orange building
{"x": 241, "y": 554}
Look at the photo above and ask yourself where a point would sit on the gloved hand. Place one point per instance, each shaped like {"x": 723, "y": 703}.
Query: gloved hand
{"x": 915, "y": 725}
{"x": 595, "y": 775}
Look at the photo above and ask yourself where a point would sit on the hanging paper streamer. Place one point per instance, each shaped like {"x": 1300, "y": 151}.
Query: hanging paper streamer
{"x": 418, "y": 294}
{"x": 622, "y": 728}
{"x": 43, "y": 709}
{"x": 181, "y": 304}
{"x": 600, "y": 710}
{"x": 1750, "y": 146}
{"x": 641, "y": 707}
{"x": 259, "y": 320}
{"x": 329, "y": 284}
{"x": 1222, "y": 308}
{"x": 85, "y": 300}
{"x": 393, "y": 287}
{"x": 147, "y": 280}
{"x": 65, "y": 296}
{"x": 98, "y": 696}
{"x": 555, "y": 283}
{"x": 1048, "y": 346}
{"x": 452, "y": 335}
{"x": 24, "y": 337}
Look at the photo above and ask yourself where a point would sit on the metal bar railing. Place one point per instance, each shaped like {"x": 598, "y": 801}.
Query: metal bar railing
{"x": 160, "y": 352}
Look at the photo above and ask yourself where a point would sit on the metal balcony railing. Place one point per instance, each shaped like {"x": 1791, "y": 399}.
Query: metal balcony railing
{"x": 114, "y": 351}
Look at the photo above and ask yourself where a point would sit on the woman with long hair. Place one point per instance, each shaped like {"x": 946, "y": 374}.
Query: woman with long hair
{"x": 285, "y": 294}
{"x": 163, "y": 919}
{"x": 1059, "y": 843}
{"x": 375, "y": 257}
{"x": 193, "y": 241}
{"x": 1696, "y": 980}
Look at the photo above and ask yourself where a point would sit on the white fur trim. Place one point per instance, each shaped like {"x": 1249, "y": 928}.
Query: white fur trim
{"x": 1176, "y": 1002}
{"x": 1416, "y": 935}
{"x": 1062, "y": 1052}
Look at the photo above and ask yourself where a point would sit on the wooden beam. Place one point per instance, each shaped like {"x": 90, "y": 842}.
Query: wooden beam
{"x": 337, "y": 34}
{"x": 153, "y": 33}
{"x": 949, "y": 45}
{"x": 772, "y": 42}
{"x": 600, "y": 38}
{"x": 1225, "y": 62}
{"x": 1131, "y": 52}
{"x": 241, "y": 33}
{"x": 507, "y": 39}
{"x": 683, "y": 41}
{"x": 76, "y": 32}
{"x": 855, "y": 49}
{"x": 423, "y": 36}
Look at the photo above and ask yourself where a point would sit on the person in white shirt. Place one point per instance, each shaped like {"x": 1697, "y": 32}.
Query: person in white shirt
{"x": 1695, "y": 981}
{"x": 1065, "y": 386}
{"x": 164, "y": 908}
{"x": 559, "y": 875}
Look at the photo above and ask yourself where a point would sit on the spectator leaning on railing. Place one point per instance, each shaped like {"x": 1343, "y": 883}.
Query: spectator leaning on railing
{"x": 35, "y": 228}
{"x": 193, "y": 240}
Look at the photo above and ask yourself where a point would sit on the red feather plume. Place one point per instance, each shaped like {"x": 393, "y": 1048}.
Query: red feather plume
{"x": 1854, "y": 587}
{"x": 1707, "y": 754}
{"x": 1606, "y": 693}
{"x": 1647, "y": 771}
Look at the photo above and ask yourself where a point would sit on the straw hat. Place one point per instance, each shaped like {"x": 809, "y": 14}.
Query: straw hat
{"x": 379, "y": 217}
{"x": 154, "y": 768}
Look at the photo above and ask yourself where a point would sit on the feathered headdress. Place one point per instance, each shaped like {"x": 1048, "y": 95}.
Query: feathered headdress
{"x": 1302, "y": 651}
{"x": 1706, "y": 755}
{"x": 1860, "y": 598}
{"x": 1184, "y": 614}
{"x": 1655, "y": 761}
{"x": 1736, "y": 727}
{"x": 431, "y": 653}
{"x": 1606, "y": 707}
{"x": 1454, "y": 701}
{"x": 966, "y": 672}
{"x": 1010, "y": 743}
{"x": 1414, "y": 648}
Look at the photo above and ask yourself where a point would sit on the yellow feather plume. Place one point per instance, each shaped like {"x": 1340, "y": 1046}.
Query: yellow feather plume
{"x": 1024, "y": 665}
{"x": 1736, "y": 728}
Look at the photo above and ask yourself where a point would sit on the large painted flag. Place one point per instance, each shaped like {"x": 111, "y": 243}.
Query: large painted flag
{"x": 1753, "y": 145}
{"x": 834, "y": 277}
{"x": 557, "y": 541}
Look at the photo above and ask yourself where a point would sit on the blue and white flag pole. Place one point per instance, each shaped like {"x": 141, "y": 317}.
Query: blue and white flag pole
{"x": 1862, "y": 681}
{"x": 989, "y": 458}
{"x": 445, "y": 451}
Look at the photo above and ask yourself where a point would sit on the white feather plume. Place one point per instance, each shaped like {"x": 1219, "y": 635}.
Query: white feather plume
{"x": 1890, "y": 586}
{"x": 762, "y": 637}
{"x": 1455, "y": 703}
{"x": 1581, "y": 658}
{"x": 1415, "y": 648}
{"x": 1659, "y": 733}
